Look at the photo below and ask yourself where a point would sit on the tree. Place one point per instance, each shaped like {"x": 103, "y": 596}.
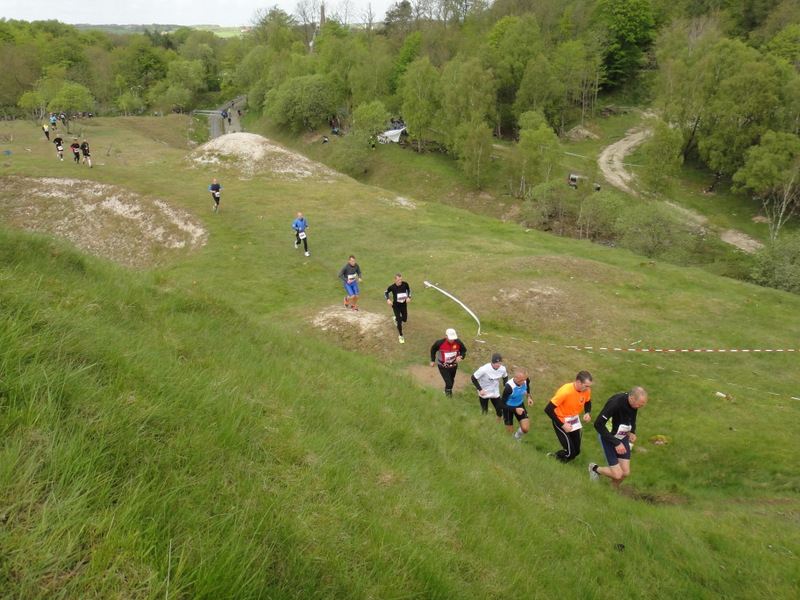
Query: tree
{"x": 34, "y": 104}
{"x": 408, "y": 53}
{"x": 778, "y": 264}
{"x": 371, "y": 118}
{"x": 630, "y": 29}
{"x": 473, "y": 148}
{"x": 535, "y": 155}
{"x": 772, "y": 173}
{"x": 300, "y": 102}
{"x": 663, "y": 158}
{"x": 419, "y": 91}
{"x": 72, "y": 97}
{"x": 468, "y": 96}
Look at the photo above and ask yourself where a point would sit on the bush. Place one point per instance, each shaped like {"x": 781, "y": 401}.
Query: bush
{"x": 654, "y": 230}
{"x": 778, "y": 265}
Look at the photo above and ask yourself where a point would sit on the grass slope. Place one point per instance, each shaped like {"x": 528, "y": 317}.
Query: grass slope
{"x": 190, "y": 432}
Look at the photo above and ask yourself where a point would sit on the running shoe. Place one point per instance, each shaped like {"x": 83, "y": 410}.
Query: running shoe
{"x": 296, "y": 245}
{"x": 401, "y": 339}
{"x": 395, "y": 321}
{"x": 346, "y": 303}
{"x": 354, "y": 308}
{"x": 593, "y": 475}
{"x": 306, "y": 253}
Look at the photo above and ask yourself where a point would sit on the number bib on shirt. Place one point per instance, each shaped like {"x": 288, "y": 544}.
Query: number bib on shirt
{"x": 450, "y": 358}
{"x": 401, "y": 297}
{"x": 575, "y": 421}
{"x": 216, "y": 194}
{"x": 622, "y": 432}
{"x": 351, "y": 278}
{"x": 302, "y": 235}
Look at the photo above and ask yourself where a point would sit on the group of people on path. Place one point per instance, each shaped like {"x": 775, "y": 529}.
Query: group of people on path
{"x": 564, "y": 410}
{"x": 510, "y": 397}
{"x": 79, "y": 150}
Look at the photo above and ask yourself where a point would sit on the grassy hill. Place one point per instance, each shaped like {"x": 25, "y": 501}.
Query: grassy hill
{"x": 215, "y": 425}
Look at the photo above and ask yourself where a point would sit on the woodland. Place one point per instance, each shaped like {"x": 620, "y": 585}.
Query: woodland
{"x": 719, "y": 78}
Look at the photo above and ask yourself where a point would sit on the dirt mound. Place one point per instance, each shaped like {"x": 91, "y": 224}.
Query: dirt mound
{"x": 252, "y": 154}
{"x": 100, "y": 219}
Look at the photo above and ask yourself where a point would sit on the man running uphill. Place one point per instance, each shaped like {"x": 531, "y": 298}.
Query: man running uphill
{"x": 300, "y": 225}
{"x": 401, "y": 296}
{"x": 621, "y": 410}
{"x": 564, "y": 409}
{"x": 215, "y": 190}
{"x": 350, "y": 274}
{"x": 446, "y": 354}
{"x": 514, "y": 394}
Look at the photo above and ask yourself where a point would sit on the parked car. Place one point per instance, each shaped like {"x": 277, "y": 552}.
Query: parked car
{"x": 574, "y": 178}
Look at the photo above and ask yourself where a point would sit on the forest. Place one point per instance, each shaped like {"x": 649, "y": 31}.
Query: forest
{"x": 720, "y": 79}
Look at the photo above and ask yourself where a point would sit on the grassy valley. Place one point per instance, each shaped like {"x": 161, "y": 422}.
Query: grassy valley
{"x": 214, "y": 425}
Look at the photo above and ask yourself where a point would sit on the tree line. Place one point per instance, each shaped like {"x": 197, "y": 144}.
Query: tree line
{"x": 722, "y": 75}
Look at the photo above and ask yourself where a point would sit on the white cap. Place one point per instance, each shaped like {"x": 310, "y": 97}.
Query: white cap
{"x": 451, "y": 334}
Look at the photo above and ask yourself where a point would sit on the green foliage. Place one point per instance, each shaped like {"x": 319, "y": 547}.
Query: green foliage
{"x": 778, "y": 264}
{"x": 630, "y": 30}
{"x": 536, "y": 155}
{"x": 473, "y": 149}
{"x": 420, "y": 94}
{"x": 71, "y": 98}
{"x": 300, "y": 102}
{"x": 772, "y": 172}
{"x": 664, "y": 158}
{"x": 130, "y": 104}
{"x": 653, "y": 230}
{"x": 351, "y": 152}
{"x": 467, "y": 97}
{"x": 408, "y": 53}
{"x": 371, "y": 118}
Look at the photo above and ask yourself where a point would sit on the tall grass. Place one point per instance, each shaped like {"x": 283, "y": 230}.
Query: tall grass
{"x": 166, "y": 439}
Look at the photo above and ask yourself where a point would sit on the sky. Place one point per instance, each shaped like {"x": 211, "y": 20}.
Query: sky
{"x": 226, "y": 13}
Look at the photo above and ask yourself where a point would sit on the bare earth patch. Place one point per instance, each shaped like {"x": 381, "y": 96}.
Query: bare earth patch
{"x": 100, "y": 219}
{"x": 253, "y": 154}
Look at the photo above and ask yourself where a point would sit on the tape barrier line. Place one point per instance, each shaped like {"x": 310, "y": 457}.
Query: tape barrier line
{"x": 687, "y": 350}
{"x": 658, "y": 367}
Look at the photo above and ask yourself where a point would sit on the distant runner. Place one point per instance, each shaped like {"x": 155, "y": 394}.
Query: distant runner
{"x": 59, "y": 147}
{"x": 215, "y": 190}
{"x": 76, "y": 150}
{"x": 401, "y": 296}
{"x": 513, "y": 402}
{"x": 300, "y": 225}
{"x": 87, "y": 155}
{"x": 350, "y": 274}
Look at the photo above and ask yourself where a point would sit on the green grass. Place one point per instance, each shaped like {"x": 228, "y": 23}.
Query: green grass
{"x": 190, "y": 432}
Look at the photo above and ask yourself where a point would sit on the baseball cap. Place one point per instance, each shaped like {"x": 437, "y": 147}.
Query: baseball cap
{"x": 451, "y": 334}
{"x": 496, "y": 358}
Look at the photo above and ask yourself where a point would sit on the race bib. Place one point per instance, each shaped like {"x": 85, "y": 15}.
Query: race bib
{"x": 622, "y": 432}
{"x": 60, "y": 148}
{"x": 401, "y": 297}
{"x": 574, "y": 421}
{"x": 302, "y": 235}
{"x": 450, "y": 357}
{"x": 351, "y": 278}
{"x": 216, "y": 194}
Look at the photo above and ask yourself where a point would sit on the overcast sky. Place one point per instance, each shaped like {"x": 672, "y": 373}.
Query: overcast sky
{"x": 226, "y": 13}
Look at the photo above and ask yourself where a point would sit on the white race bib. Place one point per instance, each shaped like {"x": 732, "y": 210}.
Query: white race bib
{"x": 216, "y": 194}
{"x": 450, "y": 357}
{"x": 575, "y": 421}
{"x": 351, "y": 278}
{"x": 401, "y": 297}
{"x": 622, "y": 432}
{"x": 60, "y": 148}
{"x": 302, "y": 235}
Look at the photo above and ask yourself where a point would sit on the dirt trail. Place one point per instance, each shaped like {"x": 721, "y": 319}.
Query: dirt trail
{"x": 613, "y": 168}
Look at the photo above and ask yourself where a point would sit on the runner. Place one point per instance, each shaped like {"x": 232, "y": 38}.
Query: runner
{"x": 300, "y": 225}
{"x": 59, "y": 147}
{"x": 487, "y": 381}
{"x": 621, "y": 410}
{"x": 350, "y": 274}
{"x": 76, "y": 150}
{"x": 446, "y": 353}
{"x": 46, "y": 130}
{"x": 514, "y": 393}
{"x": 215, "y": 189}
{"x": 401, "y": 296}
{"x": 87, "y": 155}
{"x": 564, "y": 409}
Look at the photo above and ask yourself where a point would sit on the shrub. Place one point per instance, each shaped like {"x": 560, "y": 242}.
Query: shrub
{"x": 778, "y": 264}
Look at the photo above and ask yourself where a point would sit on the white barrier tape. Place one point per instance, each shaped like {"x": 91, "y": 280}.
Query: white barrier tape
{"x": 671, "y": 350}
